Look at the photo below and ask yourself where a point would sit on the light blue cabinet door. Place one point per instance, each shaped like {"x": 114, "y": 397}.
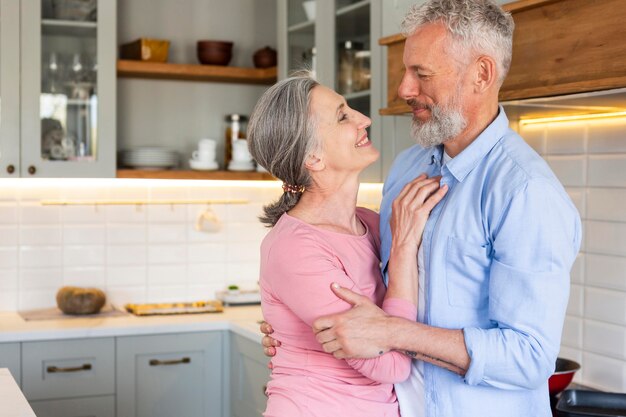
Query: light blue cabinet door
{"x": 248, "y": 377}
{"x": 10, "y": 358}
{"x": 76, "y": 407}
{"x": 170, "y": 375}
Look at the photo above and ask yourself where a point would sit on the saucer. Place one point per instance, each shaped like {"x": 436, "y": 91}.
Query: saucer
{"x": 241, "y": 166}
{"x": 202, "y": 165}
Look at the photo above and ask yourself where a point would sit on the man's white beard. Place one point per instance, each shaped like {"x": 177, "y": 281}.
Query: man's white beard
{"x": 445, "y": 123}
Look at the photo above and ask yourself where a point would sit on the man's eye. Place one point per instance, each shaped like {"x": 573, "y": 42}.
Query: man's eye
{"x": 424, "y": 76}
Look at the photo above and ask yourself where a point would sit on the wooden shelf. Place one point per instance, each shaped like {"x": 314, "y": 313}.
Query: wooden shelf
{"x": 167, "y": 174}
{"x": 189, "y": 72}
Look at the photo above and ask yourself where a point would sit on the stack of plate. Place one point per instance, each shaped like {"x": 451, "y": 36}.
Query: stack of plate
{"x": 149, "y": 157}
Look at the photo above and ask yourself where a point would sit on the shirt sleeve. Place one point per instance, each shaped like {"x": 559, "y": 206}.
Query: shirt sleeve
{"x": 309, "y": 269}
{"x": 534, "y": 246}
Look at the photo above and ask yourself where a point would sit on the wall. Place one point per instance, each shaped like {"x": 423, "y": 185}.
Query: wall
{"x": 147, "y": 253}
{"x": 175, "y": 114}
{"x": 590, "y": 160}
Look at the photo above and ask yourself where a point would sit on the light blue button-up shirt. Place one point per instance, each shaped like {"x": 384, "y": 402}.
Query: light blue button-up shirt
{"x": 498, "y": 250}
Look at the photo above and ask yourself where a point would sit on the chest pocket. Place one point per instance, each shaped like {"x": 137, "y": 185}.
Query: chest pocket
{"x": 467, "y": 273}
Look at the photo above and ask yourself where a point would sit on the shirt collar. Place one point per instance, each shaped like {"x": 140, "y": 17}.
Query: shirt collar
{"x": 462, "y": 164}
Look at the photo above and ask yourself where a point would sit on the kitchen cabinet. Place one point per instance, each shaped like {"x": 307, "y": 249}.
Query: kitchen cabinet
{"x": 553, "y": 54}
{"x": 70, "y": 377}
{"x": 10, "y": 358}
{"x": 248, "y": 377}
{"x": 170, "y": 375}
{"x": 320, "y": 43}
{"x": 57, "y": 85}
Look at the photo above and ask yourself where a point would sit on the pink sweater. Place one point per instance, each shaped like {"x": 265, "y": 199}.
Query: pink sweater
{"x": 298, "y": 264}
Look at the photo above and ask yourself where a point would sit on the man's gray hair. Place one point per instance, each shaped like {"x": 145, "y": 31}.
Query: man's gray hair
{"x": 477, "y": 26}
{"x": 281, "y": 135}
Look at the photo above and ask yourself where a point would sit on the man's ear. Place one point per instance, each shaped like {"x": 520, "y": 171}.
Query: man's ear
{"x": 314, "y": 163}
{"x": 486, "y": 73}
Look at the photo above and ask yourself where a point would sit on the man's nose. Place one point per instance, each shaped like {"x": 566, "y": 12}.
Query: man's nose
{"x": 408, "y": 88}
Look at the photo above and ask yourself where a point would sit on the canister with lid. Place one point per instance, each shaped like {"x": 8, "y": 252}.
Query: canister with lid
{"x": 235, "y": 129}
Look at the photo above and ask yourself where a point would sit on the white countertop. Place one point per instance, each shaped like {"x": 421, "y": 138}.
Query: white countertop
{"x": 242, "y": 320}
{"x": 12, "y": 401}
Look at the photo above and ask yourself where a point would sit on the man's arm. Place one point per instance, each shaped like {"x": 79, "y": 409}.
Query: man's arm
{"x": 366, "y": 330}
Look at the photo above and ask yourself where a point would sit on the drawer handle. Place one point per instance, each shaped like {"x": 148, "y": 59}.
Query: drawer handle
{"x": 157, "y": 362}
{"x": 55, "y": 369}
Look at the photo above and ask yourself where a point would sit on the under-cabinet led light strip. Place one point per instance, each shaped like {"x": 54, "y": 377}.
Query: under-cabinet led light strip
{"x": 573, "y": 118}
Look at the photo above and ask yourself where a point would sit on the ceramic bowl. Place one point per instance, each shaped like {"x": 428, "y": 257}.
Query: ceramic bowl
{"x": 214, "y": 52}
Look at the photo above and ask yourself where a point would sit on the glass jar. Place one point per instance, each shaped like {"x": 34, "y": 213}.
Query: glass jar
{"x": 235, "y": 129}
{"x": 362, "y": 74}
{"x": 345, "y": 80}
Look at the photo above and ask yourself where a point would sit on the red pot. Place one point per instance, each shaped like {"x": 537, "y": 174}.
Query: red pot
{"x": 562, "y": 376}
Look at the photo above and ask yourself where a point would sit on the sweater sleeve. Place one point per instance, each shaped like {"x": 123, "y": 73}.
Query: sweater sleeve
{"x": 307, "y": 269}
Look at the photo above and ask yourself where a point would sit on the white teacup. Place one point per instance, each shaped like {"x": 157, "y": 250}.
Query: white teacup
{"x": 207, "y": 144}
{"x": 204, "y": 155}
{"x": 240, "y": 151}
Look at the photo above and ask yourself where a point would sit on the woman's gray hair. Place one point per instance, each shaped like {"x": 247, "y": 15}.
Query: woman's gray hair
{"x": 478, "y": 26}
{"x": 281, "y": 135}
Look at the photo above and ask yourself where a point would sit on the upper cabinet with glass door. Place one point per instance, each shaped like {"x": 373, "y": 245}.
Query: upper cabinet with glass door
{"x": 68, "y": 88}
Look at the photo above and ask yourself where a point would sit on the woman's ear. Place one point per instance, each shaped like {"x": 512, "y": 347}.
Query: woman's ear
{"x": 486, "y": 73}
{"x": 314, "y": 163}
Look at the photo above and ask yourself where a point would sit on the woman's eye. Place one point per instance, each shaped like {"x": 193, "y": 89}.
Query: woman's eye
{"x": 342, "y": 117}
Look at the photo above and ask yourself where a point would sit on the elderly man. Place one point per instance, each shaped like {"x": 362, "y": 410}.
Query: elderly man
{"x": 496, "y": 252}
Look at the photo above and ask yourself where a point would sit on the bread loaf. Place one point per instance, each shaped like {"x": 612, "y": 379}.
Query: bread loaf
{"x": 76, "y": 300}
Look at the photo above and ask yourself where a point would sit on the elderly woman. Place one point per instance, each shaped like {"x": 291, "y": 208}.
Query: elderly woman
{"x": 306, "y": 135}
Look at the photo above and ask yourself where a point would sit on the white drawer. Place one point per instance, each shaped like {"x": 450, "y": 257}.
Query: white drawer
{"x": 68, "y": 368}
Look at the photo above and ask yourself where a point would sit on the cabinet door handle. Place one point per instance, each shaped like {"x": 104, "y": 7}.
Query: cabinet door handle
{"x": 157, "y": 362}
{"x": 11, "y": 169}
{"x": 32, "y": 170}
{"x": 54, "y": 369}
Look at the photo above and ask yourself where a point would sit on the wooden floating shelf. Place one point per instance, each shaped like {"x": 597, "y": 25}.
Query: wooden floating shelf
{"x": 189, "y": 72}
{"x": 167, "y": 174}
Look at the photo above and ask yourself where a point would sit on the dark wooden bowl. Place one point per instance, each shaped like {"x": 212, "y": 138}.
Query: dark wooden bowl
{"x": 214, "y": 52}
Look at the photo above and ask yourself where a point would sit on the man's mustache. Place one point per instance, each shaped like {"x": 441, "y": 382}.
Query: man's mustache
{"x": 417, "y": 105}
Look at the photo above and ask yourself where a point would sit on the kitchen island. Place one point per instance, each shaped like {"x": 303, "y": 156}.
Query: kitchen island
{"x": 12, "y": 401}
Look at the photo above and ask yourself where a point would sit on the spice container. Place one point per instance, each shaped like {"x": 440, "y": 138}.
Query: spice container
{"x": 362, "y": 74}
{"x": 235, "y": 129}
{"x": 347, "y": 54}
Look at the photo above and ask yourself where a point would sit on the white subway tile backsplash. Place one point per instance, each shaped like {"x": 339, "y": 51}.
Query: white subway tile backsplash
{"x": 570, "y": 170}
{"x": 85, "y": 255}
{"x": 35, "y": 214}
{"x": 36, "y": 299}
{"x": 167, "y": 214}
{"x": 167, "y": 254}
{"x": 246, "y": 232}
{"x": 82, "y": 214}
{"x": 206, "y": 253}
{"x": 126, "y": 276}
{"x": 608, "y": 136}
{"x": 535, "y": 136}
{"x": 120, "y": 233}
{"x": 167, "y": 294}
{"x": 159, "y": 275}
{"x": 8, "y": 213}
{"x": 38, "y": 278}
{"x": 9, "y": 236}
{"x": 84, "y": 235}
{"x": 605, "y": 373}
{"x": 566, "y": 138}
{"x": 244, "y": 252}
{"x": 40, "y": 256}
{"x": 605, "y": 339}
{"x": 607, "y": 171}
{"x": 575, "y": 355}
{"x": 203, "y": 292}
{"x": 8, "y": 300}
{"x": 575, "y": 305}
{"x": 84, "y": 276}
{"x": 126, "y": 255}
{"x": 43, "y": 235}
{"x": 245, "y": 213}
{"x": 121, "y": 295}
{"x": 207, "y": 274}
{"x": 607, "y": 272}
{"x": 8, "y": 257}
{"x": 168, "y": 233}
{"x": 605, "y": 238}
{"x": 578, "y": 198}
{"x": 126, "y": 214}
{"x": 606, "y": 204}
{"x": 605, "y": 305}
{"x": 8, "y": 279}
{"x": 573, "y": 332}
{"x": 242, "y": 272}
